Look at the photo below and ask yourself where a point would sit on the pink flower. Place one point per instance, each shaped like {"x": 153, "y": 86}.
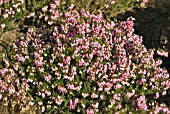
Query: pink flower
{"x": 59, "y": 100}
{"x": 53, "y": 6}
{"x": 0, "y": 96}
{"x": 117, "y": 86}
{"x": 162, "y": 53}
{"x": 85, "y": 94}
{"x": 156, "y": 95}
{"x": 166, "y": 110}
{"x": 144, "y": 3}
{"x": 50, "y": 22}
{"x": 117, "y": 96}
{"x": 70, "y": 86}
{"x": 158, "y": 62}
{"x": 89, "y": 111}
{"x": 30, "y": 30}
{"x": 29, "y": 80}
{"x": 128, "y": 94}
{"x": 141, "y": 103}
{"x": 106, "y": 89}
{"x": 112, "y": 101}
{"x": 100, "y": 89}
{"x": 20, "y": 58}
{"x": 38, "y": 63}
{"x": 48, "y": 78}
{"x": 11, "y": 90}
{"x": 5, "y": 15}
{"x": 94, "y": 95}
{"x": 71, "y": 6}
{"x": 113, "y": 1}
{"x": 36, "y": 55}
{"x": 95, "y": 105}
{"x": 101, "y": 97}
{"x": 45, "y": 8}
{"x": 164, "y": 93}
{"x": 48, "y": 93}
{"x": 31, "y": 15}
{"x": 141, "y": 81}
{"x": 73, "y": 103}
{"x": 2, "y": 25}
{"x": 73, "y": 70}
{"x": 61, "y": 89}
{"x": 68, "y": 77}
{"x": 119, "y": 106}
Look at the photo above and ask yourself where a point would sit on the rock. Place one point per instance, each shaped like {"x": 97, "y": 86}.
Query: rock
{"x": 8, "y": 37}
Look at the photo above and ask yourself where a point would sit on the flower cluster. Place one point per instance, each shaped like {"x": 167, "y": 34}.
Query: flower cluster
{"x": 3, "y": 1}
{"x": 83, "y": 64}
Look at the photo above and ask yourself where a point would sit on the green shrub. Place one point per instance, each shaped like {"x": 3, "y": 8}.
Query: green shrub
{"x": 84, "y": 64}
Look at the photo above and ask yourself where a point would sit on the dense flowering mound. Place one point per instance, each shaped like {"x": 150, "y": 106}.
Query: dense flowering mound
{"x": 85, "y": 64}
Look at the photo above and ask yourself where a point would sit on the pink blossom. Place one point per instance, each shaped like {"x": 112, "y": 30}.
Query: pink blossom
{"x": 119, "y": 106}
{"x": 93, "y": 95}
{"x": 20, "y": 58}
{"x": 100, "y": 89}
{"x": 70, "y": 86}
{"x": 106, "y": 89}
{"x": 73, "y": 70}
{"x": 112, "y": 101}
{"x": 71, "y": 6}
{"x": 144, "y": 3}
{"x": 48, "y": 78}
{"x": 0, "y": 96}
{"x": 5, "y": 15}
{"x": 117, "y": 86}
{"x": 31, "y": 15}
{"x": 113, "y": 1}
{"x": 85, "y": 94}
{"x": 166, "y": 110}
{"x": 61, "y": 89}
{"x": 117, "y": 96}
{"x": 73, "y": 103}
{"x": 68, "y": 77}
{"x": 95, "y": 105}
{"x": 48, "y": 93}
{"x": 11, "y": 90}
{"x": 164, "y": 93}
{"x": 156, "y": 95}
{"x": 59, "y": 100}
{"x": 141, "y": 81}
{"x": 2, "y": 25}
{"x": 38, "y": 63}
{"x": 89, "y": 111}
{"x": 53, "y": 6}
{"x": 129, "y": 95}
{"x": 101, "y": 97}
{"x": 158, "y": 62}
{"x": 141, "y": 103}
{"x": 162, "y": 53}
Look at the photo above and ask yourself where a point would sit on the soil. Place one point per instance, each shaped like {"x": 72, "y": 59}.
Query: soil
{"x": 8, "y": 37}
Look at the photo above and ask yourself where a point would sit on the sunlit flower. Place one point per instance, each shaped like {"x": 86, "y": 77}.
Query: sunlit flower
{"x": 3, "y": 26}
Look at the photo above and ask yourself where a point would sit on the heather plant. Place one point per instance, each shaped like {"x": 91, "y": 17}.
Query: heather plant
{"x": 20, "y": 12}
{"x": 27, "y": 13}
{"x": 10, "y": 11}
{"x": 83, "y": 63}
